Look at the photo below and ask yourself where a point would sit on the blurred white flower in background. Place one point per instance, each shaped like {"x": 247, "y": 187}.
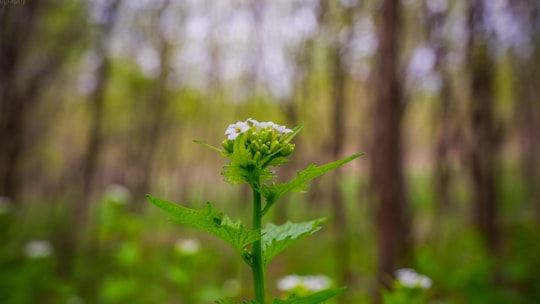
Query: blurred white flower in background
{"x": 5, "y": 205}
{"x": 410, "y": 278}
{"x": 311, "y": 283}
{"x": 289, "y": 282}
{"x": 38, "y": 249}
{"x": 231, "y": 288}
{"x": 317, "y": 282}
{"x": 118, "y": 194}
{"x": 187, "y": 246}
{"x": 75, "y": 299}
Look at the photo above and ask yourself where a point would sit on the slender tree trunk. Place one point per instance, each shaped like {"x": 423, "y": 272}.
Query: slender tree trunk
{"x": 96, "y": 100}
{"x": 434, "y": 26}
{"x": 153, "y": 120}
{"x": 13, "y": 102}
{"x": 93, "y": 149}
{"x": 386, "y": 172}
{"x": 528, "y": 115}
{"x": 485, "y": 137}
{"x": 70, "y": 243}
{"x": 527, "y": 107}
{"x": 338, "y": 206}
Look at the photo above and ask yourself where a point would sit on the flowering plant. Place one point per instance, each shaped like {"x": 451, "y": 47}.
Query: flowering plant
{"x": 252, "y": 148}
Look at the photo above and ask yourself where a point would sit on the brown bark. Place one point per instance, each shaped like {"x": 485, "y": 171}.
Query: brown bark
{"x": 152, "y": 121}
{"x": 24, "y": 73}
{"x": 97, "y": 100}
{"x": 527, "y": 107}
{"x": 13, "y": 104}
{"x": 338, "y": 79}
{"x": 445, "y": 113}
{"x": 386, "y": 171}
{"x": 338, "y": 133}
{"x": 485, "y": 139}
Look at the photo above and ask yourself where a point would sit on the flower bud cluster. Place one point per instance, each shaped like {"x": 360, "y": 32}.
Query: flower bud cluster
{"x": 263, "y": 140}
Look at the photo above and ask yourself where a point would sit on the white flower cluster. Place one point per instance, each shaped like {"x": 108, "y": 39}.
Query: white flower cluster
{"x": 235, "y": 129}
{"x": 311, "y": 283}
{"x": 38, "y": 249}
{"x": 410, "y": 278}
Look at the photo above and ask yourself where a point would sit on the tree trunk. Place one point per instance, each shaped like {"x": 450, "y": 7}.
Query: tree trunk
{"x": 13, "y": 104}
{"x": 527, "y": 107}
{"x": 386, "y": 171}
{"x": 152, "y": 121}
{"x": 485, "y": 137}
{"x": 338, "y": 133}
{"x": 434, "y": 26}
{"x": 96, "y": 101}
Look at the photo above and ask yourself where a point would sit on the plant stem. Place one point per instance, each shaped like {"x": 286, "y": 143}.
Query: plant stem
{"x": 257, "y": 267}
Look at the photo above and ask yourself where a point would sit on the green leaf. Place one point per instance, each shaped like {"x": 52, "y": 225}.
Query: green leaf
{"x": 276, "y": 238}
{"x": 211, "y": 221}
{"x": 221, "y": 301}
{"x": 295, "y": 131}
{"x": 275, "y": 191}
{"x": 316, "y": 298}
{"x": 208, "y": 146}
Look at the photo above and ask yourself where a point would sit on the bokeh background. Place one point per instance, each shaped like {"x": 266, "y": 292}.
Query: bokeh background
{"x": 100, "y": 102}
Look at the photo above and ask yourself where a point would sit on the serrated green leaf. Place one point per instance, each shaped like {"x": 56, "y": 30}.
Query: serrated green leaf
{"x": 316, "y": 298}
{"x": 276, "y": 238}
{"x": 209, "y": 220}
{"x": 275, "y": 191}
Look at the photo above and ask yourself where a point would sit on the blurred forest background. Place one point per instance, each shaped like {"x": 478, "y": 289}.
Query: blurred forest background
{"x": 100, "y": 102}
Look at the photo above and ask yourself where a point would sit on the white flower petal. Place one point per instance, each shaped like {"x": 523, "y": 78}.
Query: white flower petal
{"x": 233, "y": 130}
{"x": 254, "y": 122}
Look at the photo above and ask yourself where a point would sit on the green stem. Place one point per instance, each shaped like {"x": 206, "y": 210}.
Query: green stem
{"x": 257, "y": 266}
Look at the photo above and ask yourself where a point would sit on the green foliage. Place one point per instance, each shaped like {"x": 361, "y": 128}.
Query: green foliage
{"x": 221, "y": 301}
{"x": 211, "y": 221}
{"x": 136, "y": 260}
{"x": 275, "y": 191}
{"x": 276, "y": 238}
{"x": 316, "y": 298}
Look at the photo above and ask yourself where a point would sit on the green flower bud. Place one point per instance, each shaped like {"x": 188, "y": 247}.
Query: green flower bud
{"x": 228, "y": 145}
{"x": 287, "y": 150}
{"x": 257, "y": 156}
{"x": 268, "y": 136}
{"x": 275, "y": 146}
